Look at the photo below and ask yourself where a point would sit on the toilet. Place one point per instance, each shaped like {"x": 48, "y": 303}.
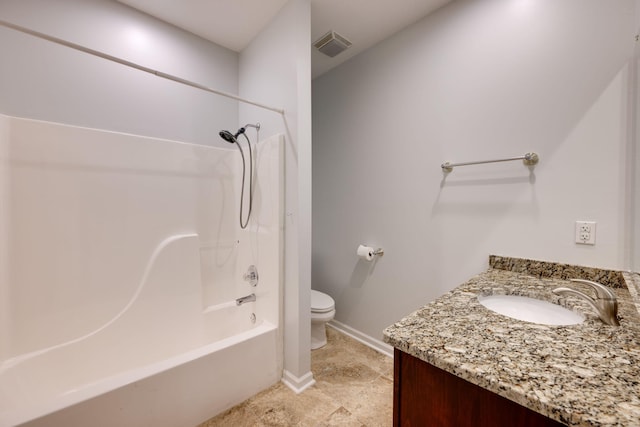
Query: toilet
{"x": 322, "y": 311}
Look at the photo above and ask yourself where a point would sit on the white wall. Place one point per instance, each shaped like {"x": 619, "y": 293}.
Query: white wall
{"x": 276, "y": 69}
{"x": 473, "y": 81}
{"x": 45, "y": 81}
{"x": 5, "y": 226}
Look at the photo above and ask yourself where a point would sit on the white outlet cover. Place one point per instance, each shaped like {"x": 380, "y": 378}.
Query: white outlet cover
{"x": 586, "y": 232}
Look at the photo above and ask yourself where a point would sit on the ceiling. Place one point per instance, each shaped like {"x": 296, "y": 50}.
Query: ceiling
{"x": 233, "y": 24}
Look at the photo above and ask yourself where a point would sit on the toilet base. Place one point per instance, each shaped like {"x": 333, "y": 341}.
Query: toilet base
{"x": 318, "y": 335}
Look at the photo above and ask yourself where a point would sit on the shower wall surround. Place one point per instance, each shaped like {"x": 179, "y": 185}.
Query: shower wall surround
{"x": 86, "y": 210}
{"x": 122, "y": 244}
{"x": 472, "y": 81}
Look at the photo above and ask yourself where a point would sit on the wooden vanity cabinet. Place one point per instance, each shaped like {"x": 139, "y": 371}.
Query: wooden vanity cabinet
{"x": 424, "y": 395}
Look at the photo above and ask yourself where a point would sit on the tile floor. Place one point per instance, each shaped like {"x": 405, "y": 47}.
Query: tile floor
{"x": 354, "y": 388}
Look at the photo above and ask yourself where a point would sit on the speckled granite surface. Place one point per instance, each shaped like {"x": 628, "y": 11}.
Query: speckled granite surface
{"x": 611, "y": 278}
{"x": 580, "y": 375}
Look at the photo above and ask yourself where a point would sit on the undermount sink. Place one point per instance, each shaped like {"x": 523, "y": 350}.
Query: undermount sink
{"x": 530, "y": 310}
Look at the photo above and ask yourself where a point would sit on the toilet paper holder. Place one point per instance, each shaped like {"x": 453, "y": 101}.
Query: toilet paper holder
{"x": 378, "y": 252}
{"x": 368, "y": 253}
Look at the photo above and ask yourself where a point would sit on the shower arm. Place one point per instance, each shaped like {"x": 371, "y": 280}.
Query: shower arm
{"x": 242, "y": 130}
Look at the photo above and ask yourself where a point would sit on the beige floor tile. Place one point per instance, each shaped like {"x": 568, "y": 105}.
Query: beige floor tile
{"x": 373, "y": 405}
{"x": 358, "y": 352}
{"x": 344, "y": 371}
{"x": 354, "y": 388}
{"x": 341, "y": 418}
{"x": 238, "y": 416}
{"x": 386, "y": 368}
{"x": 282, "y": 407}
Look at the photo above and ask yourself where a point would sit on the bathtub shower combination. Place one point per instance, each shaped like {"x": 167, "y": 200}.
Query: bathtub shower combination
{"x": 126, "y": 292}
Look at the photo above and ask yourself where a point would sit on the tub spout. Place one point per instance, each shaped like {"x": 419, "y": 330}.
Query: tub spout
{"x": 248, "y": 298}
{"x": 605, "y": 303}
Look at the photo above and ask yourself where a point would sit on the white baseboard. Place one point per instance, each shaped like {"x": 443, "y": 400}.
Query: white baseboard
{"x": 298, "y": 384}
{"x": 365, "y": 339}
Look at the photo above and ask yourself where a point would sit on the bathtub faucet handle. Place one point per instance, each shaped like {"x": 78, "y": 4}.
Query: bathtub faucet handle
{"x": 251, "y": 275}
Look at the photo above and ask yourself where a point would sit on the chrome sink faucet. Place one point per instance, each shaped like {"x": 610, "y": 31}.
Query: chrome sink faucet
{"x": 605, "y": 303}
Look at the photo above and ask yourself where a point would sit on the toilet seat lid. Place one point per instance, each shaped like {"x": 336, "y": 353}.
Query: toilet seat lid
{"x": 320, "y": 302}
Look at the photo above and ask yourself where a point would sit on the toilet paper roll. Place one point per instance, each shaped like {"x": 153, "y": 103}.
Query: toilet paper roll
{"x": 365, "y": 252}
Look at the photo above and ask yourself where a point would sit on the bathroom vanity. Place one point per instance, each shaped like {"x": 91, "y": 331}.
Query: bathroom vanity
{"x": 459, "y": 364}
{"x": 425, "y": 395}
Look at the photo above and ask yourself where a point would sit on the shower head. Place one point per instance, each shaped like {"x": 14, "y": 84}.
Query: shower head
{"x": 228, "y": 136}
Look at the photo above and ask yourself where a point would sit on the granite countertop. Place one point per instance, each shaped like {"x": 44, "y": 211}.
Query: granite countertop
{"x": 580, "y": 375}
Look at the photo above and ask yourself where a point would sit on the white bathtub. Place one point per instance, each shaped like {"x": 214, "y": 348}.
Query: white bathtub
{"x": 182, "y": 390}
{"x": 120, "y": 264}
{"x": 164, "y": 360}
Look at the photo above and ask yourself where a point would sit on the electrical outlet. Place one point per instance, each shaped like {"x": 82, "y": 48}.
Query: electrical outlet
{"x": 586, "y": 232}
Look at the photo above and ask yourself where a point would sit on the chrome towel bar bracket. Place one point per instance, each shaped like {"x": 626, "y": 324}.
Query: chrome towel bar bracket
{"x": 529, "y": 159}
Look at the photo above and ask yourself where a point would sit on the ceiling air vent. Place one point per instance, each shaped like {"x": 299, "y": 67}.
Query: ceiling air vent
{"x": 332, "y": 44}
